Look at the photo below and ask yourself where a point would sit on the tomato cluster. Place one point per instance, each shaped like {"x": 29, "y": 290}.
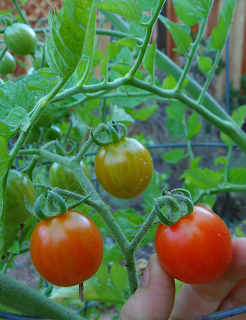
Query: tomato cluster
{"x": 197, "y": 249}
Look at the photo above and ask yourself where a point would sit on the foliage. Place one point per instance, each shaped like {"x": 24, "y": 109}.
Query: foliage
{"x": 79, "y": 88}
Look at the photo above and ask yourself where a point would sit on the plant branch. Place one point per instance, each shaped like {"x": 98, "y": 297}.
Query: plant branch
{"x": 26, "y": 300}
{"x": 141, "y": 54}
{"x": 191, "y": 55}
{"x": 19, "y": 11}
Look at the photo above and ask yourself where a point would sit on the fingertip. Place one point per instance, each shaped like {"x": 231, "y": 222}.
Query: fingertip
{"x": 154, "y": 298}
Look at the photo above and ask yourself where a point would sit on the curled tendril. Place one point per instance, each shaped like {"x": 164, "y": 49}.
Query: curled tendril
{"x": 6, "y": 20}
{"x": 177, "y": 204}
{"x": 113, "y": 132}
{"x": 170, "y": 217}
{"x": 61, "y": 151}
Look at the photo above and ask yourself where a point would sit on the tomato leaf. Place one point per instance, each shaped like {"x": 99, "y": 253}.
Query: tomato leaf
{"x": 104, "y": 66}
{"x": 118, "y": 277}
{"x": 125, "y": 8}
{"x": 204, "y": 63}
{"x": 220, "y": 33}
{"x": 202, "y": 178}
{"x": 181, "y": 34}
{"x": 193, "y": 125}
{"x": 237, "y": 176}
{"x": 145, "y": 112}
{"x": 15, "y": 95}
{"x": 69, "y": 32}
{"x": 174, "y": 156}
{"x": 238, "y": 116}
{"x": 5, "y": 133}
{"x": 149, "y": 59}
{"x": 192, "y": 11}
{"x": 147, "y": 5}
{"x": 128, "y": 41}
{"x": 169, "y": 83}
{"x": 16, "y": 117}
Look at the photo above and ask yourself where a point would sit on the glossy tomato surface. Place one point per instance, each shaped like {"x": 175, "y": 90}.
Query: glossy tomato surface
{"x": 7, "y": 64}
{"x": 20, "y": 39}
{"x": 124, "y": 169}
{"x": 63, "y": 178}
{"x": 66, "y": 250}
{"x": 53, "y": 133}
{"x": 197, "y": 249}
{"x": 18, "y": 187}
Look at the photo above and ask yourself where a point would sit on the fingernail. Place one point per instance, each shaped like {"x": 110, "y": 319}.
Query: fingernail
{"x": 146, "y": 276}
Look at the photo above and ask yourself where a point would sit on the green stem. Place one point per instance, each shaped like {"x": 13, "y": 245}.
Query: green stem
{"x": 38, "y": 109}
{"x": 142, "y": 51}
{"x": 191, "y": 55}
{"x": 67, "y": 133}
{"x": 19, "y": 11}
{"x": 29, "y": 169}
{"x": 8, "y": 263}
{"x": 230, "y": 187}
{"x": 227, "y": 166}
{"x": 104, "y": 109}
{"x": 25, "y": 300}
{"x": 227, "y": 126}
{"x": 188, "y": 143}
{"x": 139, "y": 236}
{"x": 2, "y": 52}
{"x": 209, "y": 77}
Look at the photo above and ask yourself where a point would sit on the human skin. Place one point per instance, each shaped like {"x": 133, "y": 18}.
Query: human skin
{"x": 155, "y": 297}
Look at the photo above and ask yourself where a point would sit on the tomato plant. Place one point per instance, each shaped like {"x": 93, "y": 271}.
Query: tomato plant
{"x": 18, "y": 188}
{"x": 7, "y": 64}
{"x": 20, "y": 38}
{"x": 66, "y": 250}
{"x": 197, "y": 249}
{"x": 62, "y": 177}
{"x": 124, "y": 168}
{"x": 53, "y": 133}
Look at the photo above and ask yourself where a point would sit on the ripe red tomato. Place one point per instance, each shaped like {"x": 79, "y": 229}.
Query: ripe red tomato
{"x": 66, "y": 250}
{"x": 197, "y": 249}
{"x": 124, "y": 169}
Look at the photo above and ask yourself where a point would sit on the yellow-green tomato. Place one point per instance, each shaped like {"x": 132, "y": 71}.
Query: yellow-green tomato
{"x": 63, "y": 178}
{"x": 18, "y": 188}
{"x": 124, "y": 169}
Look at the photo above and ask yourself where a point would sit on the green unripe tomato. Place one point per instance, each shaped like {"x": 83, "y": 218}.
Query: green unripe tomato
{"x": 18, "y": 187}
{"x": 53, "y": 133}
{"x": 45, "y": 120}
{"x": 7, "y": 64}
{"x": 9, "y": 236}
{"x": 64, "y": 178}
{"x": 20, "y": 38}
{"x": 33, "y": 135}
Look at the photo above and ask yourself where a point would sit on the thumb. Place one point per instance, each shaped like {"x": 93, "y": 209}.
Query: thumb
{"x": 154, "y": 298}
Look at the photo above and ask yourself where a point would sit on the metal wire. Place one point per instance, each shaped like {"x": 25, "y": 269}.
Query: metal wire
{"x": 223, "y": 314}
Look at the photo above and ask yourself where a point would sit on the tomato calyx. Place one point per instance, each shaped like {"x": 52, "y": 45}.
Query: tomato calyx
{"x": 176, "y": 203}
{"x": 113, "y": 132}
{"x": 52, "y": 203}
{"x": 6, "y": 21}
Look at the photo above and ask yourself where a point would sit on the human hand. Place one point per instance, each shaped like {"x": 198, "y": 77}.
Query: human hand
{"x": 155, "y": 297}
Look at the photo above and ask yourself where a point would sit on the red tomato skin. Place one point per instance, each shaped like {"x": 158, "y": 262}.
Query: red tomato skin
{"x": 124, "y": 169}
{"x": 197, "y": 249}
{"x": 66, "y": 250}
